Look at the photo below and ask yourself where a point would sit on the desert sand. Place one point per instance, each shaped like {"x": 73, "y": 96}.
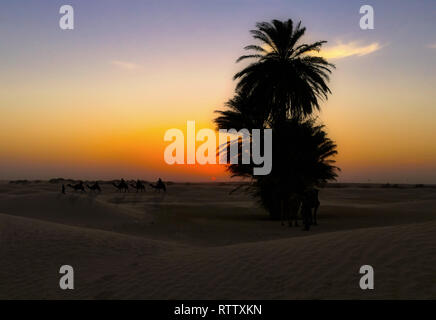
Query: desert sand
{"x": 198, "y": 242}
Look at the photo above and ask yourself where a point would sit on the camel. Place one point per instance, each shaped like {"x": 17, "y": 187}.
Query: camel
{"x": 94, "y": 187}
{"x": 138, "y": 185}
{"x": 159, "y": 185}
{"x": 122, "y": 186}
{"x": 77, "y": 187}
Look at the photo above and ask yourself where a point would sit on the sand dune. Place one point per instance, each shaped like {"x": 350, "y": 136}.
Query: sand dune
{"x": 153, "y": 246}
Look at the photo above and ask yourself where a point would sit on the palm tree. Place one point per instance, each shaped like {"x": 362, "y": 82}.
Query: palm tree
{"x": 241, "y": 112}
{"x": 280, "y": 91}
{"x": 285, "y": 76}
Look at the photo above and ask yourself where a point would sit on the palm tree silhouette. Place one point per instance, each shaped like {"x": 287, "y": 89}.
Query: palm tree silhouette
{"x": 280, "y": 90}
{"x": 285, "y": 76}
{"x": 242, "y": 111}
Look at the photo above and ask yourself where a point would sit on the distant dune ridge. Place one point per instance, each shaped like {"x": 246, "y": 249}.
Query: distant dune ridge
{"x": 199, "y": 242}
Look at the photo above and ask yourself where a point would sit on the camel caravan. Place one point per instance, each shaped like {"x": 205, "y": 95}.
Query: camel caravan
{"x": 304, "y": 204}
{"x": 121, "y": 186}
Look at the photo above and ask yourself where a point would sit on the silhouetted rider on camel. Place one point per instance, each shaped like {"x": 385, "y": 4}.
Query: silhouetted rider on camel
{"x": 159, "y": 185}
{"x": 138, "y": 185}
{"x": 122, "y": 186}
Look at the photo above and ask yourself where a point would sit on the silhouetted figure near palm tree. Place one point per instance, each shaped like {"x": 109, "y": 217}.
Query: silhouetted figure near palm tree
{"x": 77, "y": 187}
{"x": 309, "y": 201}
{"x": 63, "y": 189}
{"x": 289, "y": 210}
{"x": 122, "y": 186}
{"x": 138, "y": 185}
{"x": 159, "y": 185}
{"x": 306, "y": 213}
{"x": 313, "y": 203}
{"x": 94, "y": 187}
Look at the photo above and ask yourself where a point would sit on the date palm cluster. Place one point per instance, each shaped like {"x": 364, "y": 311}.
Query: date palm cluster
{"x": 281, "y": 88}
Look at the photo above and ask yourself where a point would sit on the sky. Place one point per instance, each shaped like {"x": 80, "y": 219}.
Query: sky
{"x": 95, "y": 102}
